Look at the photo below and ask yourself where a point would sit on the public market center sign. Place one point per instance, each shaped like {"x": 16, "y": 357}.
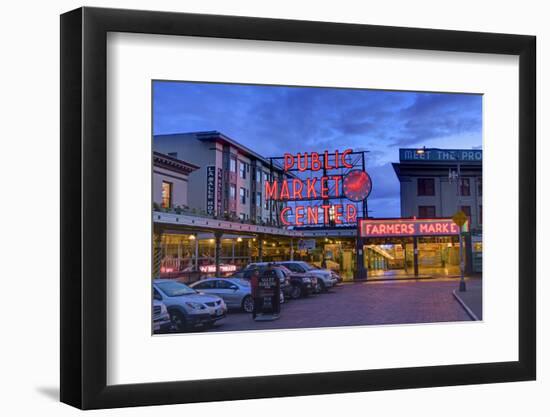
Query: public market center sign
{"x": 325, "y": 182}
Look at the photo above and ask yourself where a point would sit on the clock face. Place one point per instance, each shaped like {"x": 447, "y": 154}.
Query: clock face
{"x": 357, "y": 185}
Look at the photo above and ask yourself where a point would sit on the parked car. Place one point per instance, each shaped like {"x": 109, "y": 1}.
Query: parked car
{"x": 296, "y": 285}
{"x": 326, "y": 278}
{"x": 236, "y": 292}
{"x": 161, "y": 318}
{"x": 187, "y": 307}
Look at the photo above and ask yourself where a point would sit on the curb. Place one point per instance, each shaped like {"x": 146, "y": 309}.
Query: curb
{"x": 465, "y": 307}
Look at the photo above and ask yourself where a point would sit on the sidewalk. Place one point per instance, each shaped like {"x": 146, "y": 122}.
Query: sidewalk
{"x": 471, "y": 299}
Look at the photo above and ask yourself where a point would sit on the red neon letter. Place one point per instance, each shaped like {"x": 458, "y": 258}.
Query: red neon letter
{"x": 297, "y": 191}
{"x": 271, "y": 191}
{"x": 344, "y": 162}
{"x": 351, "y": 213}
{"x": 338, "y": 213}
{"x": 315, "y": 161}
{"x": 336, "y": 179}
{"x": 310, "y": 185}
{"x": 312, "y": 215}
{"x": 299, "y": 215}
{"x": 289, "y": 161}
{"x": 285, "y": 195}
{"x": 283, "y": 216}
{"x": 324, "y": 187}
{"x": 326, "y": 209}
{"x": 303, "y": 167}
{"x": 327, "y": 165}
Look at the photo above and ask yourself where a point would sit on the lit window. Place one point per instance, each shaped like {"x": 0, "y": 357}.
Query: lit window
{"x": 166, "y": 194}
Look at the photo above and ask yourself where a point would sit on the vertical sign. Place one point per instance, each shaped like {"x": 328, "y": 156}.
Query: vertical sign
{"x": 219, "y": 192}
{"x": 210, "y": 189}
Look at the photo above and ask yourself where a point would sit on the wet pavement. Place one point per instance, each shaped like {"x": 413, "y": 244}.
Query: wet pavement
{"x": 374, "y": 303}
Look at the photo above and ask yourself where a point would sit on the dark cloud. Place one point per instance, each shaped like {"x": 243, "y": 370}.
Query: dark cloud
{"x": 273, "y": 120}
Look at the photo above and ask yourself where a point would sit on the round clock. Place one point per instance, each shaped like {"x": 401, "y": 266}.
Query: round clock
{"x": 357, "y": 185}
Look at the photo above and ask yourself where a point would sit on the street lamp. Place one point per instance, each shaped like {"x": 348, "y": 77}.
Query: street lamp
{"x": 422, "y": 151}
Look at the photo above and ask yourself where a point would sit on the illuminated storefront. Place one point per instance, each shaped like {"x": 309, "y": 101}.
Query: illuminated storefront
{"x": 405, "y": 247}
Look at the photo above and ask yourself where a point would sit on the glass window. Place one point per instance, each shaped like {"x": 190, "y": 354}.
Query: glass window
{"x": 426, "y": 212}
{"x": 232, "y": 191}
{"x": 479, "y": 186}
{"x": 242, "y": 193}
{"x": 166, "y": 194}
{"x": 258, "y": 199}
{"x": 465, "y": 186}
{"x": 242, "y": 216}
{"x": 232, "y": 165}
{"x": 205, "y": 285}
{"x": 259, "y": 175}
{"x": 266, "y": 177}
{"x": 225, "y": 285}
{"x": 426, "y": 186}
{"x": 175, "y": 288}
{"x": 242, "y": 170}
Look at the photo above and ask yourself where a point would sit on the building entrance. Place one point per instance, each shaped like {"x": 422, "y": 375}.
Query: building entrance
{"x": 436, "y": 256}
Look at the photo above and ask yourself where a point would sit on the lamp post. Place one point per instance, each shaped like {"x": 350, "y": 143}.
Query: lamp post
{"x": 462, "y": 285}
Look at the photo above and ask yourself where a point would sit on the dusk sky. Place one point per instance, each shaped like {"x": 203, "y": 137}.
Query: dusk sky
{"x": 273, "y": 120}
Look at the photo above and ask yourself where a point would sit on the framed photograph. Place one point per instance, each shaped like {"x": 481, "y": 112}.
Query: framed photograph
{"x": 260, "y": 208}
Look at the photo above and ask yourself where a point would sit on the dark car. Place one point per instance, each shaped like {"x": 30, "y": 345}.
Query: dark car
{"x": 295, "y": 285}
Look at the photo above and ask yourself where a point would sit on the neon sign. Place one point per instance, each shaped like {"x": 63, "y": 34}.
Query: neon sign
{"x": 409, "y": 227}
{"x": 354, "y": 185}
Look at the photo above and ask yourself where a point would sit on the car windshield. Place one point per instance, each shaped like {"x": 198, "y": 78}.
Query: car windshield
{"x": 175, "y": 289}
{"x": 307, "y": 266}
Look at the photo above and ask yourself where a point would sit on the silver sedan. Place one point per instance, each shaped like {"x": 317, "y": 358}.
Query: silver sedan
{"x": 235, "y": 292}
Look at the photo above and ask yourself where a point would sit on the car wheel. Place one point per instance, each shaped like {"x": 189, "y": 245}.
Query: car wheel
{"x": 296, "y": 292}
{"x": 248, "y": 304}
{"x": 178, "y": 321}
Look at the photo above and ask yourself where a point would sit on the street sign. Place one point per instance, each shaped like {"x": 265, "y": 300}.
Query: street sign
{"x": 460, "y": 218}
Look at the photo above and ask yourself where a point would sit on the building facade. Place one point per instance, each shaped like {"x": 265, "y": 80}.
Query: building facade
{"x": 170, "y": 181}
{"x": 229, "y": 181}
{"x": 436, "y": 183}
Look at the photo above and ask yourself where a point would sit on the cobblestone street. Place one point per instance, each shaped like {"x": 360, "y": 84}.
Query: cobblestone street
{"x": 371, "y": 303}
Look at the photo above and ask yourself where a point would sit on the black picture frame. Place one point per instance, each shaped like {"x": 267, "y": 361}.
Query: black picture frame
{"x": 84, "y": 207}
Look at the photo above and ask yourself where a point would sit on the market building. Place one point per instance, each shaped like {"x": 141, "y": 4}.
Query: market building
{"x": 436, "y": 183}
{"x": 239, "y": 207}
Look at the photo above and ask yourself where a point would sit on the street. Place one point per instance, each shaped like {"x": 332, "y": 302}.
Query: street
{"x": 356, "y": 304}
